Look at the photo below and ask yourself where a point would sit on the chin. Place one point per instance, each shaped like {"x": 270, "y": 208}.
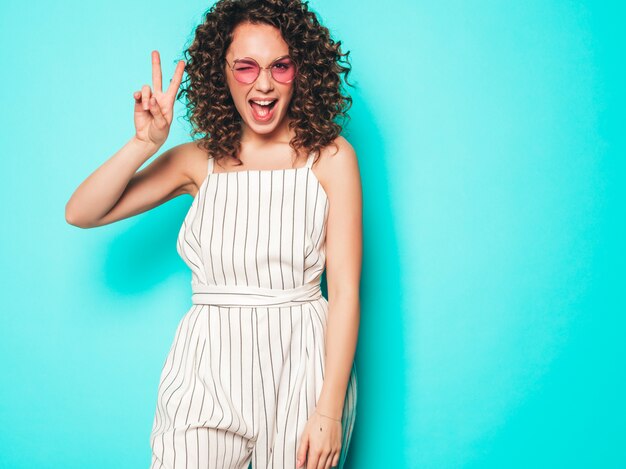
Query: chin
{"x": 264, "y": 128}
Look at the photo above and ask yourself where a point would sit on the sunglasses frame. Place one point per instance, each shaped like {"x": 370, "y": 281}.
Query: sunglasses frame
{"x": 268, "y": 68}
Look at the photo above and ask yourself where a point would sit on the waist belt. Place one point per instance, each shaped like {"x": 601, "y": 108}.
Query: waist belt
{"x": 246, "y": 295}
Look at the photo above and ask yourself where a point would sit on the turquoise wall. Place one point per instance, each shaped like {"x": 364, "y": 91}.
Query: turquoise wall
{"x": 491, "y": 143}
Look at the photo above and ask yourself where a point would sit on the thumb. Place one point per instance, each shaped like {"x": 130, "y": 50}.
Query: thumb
{"x": 302, "y": 449}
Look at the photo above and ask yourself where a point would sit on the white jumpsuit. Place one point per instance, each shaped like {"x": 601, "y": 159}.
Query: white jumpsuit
{"x": 246, "y": 366}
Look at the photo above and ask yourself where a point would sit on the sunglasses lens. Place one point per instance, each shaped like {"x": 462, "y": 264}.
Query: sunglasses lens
{"x": 284, "y": 70}
{"x": 246, "y": 71}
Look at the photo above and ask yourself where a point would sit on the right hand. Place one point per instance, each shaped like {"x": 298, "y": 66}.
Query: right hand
{"x": 154, "y": 110}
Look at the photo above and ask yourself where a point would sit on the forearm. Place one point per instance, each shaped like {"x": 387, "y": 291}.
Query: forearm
{"x": 97, "y": 194}
{"x": 341, "y": 340}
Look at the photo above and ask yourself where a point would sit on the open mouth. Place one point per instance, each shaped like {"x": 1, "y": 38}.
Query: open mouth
{"x": 263, "y": 110}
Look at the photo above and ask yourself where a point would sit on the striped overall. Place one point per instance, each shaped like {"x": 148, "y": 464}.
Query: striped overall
{"x": 246, "y": 365}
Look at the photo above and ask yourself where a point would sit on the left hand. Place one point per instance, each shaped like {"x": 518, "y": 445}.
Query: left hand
{"x": 321, "y": 438}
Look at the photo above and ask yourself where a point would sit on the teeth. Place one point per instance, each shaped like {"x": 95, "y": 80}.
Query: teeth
{"x": 263, "y": 103}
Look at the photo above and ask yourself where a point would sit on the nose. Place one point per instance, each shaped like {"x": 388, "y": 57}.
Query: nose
{"x": 264, "y": 81}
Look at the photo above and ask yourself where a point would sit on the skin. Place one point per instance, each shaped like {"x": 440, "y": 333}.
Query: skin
{"x": 263, "y": 43}
{"x": 116, "y": 190}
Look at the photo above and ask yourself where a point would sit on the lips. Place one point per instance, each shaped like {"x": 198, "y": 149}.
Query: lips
{"x": 263, "y": 112}
{"x": 257, "y": 101}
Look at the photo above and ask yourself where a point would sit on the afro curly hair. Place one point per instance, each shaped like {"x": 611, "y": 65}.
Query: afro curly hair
{"x": 318, "y": 99}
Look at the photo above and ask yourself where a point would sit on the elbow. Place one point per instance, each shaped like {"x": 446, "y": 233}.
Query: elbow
{"x": 72, "y": 219}
{"x": 345, "y": 294}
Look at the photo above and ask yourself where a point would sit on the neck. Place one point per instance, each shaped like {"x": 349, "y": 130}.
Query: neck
{"x": 281, "y": 134}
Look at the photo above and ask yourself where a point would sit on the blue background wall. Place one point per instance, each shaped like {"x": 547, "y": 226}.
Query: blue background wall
{"x": 491, "y": 142}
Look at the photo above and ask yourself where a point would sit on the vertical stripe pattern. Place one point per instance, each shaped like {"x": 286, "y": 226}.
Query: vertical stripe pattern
{"x": 246, "y": 366}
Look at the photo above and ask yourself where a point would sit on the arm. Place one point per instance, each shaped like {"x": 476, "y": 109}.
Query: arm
{"x": 343, "y": 272}
{"x": 320, "y": 444}
{"x": 116, "y": 191}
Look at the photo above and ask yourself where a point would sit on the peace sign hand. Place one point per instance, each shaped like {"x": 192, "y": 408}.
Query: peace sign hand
{"x": 154, "y": 110}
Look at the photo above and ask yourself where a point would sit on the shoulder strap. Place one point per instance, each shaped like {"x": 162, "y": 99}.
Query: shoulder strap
{"x": 309, "y": 160}
{"x": 210, "y": 165}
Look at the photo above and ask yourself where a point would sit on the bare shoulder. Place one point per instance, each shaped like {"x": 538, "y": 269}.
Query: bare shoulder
{"x": 339, "y": 151}
{"x": 189, "y": 160}
{"x": 338, "y": 168}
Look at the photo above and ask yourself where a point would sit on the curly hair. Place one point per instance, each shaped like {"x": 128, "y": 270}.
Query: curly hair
{"x": 317, "y": 100}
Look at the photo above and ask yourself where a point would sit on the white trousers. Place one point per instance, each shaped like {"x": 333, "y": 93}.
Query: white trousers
{"x": 240, "y": 381}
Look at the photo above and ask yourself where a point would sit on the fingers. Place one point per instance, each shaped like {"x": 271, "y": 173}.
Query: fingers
{"x": 323, "y": 460}
{"x": 312, "y": 461}
{"x": 145, "y": 97}
{"x": 155, "y": 109}
{"x": 138, "y": 96}
{"x": 176, "y": 80}
{"x": 302, "y": 449}
{"x": 156, "y": 72}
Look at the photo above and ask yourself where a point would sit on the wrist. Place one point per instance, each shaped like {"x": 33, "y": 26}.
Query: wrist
{"x": 329, "y": 409}
{"x": 329, "y": 403}
{"x": 336, "y": 418}
{"x": 146, "y": 148}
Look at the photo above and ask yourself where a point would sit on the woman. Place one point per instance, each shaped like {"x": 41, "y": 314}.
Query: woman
{"x": 261, "y": 368}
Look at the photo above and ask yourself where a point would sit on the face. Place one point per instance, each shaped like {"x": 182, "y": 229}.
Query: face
{"x": 264, "y": 44}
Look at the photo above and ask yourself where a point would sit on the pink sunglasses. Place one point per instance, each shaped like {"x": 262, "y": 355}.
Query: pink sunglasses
{"x": 247, "y": 70}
